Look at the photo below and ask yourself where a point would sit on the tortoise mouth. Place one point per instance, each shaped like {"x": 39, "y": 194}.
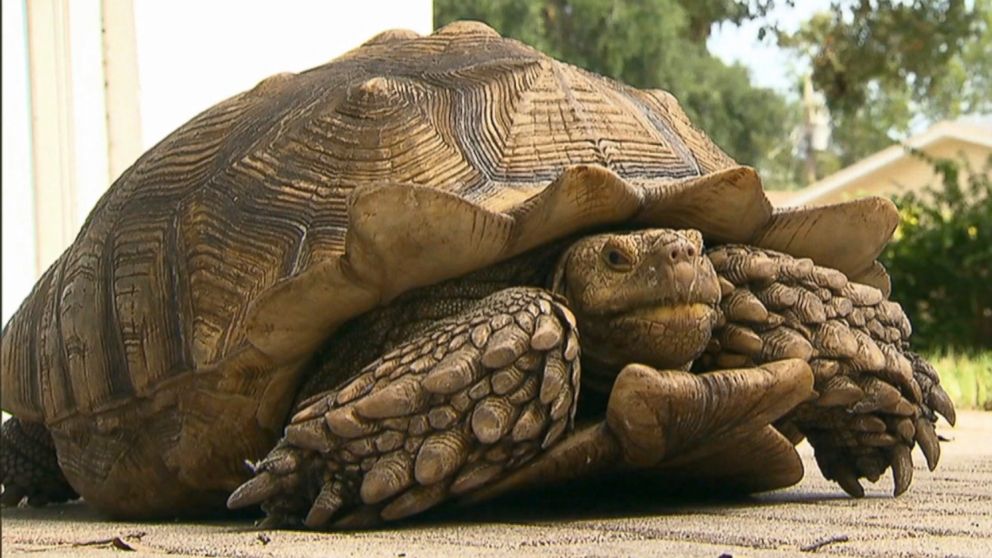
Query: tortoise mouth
{"x": 670, "y": 314}
{"x": 668, "y": 319}
{"x": 665, "y": 335}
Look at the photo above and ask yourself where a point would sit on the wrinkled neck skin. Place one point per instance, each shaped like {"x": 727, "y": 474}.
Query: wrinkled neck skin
{"x": 608, "y": 342}
{"x": 607, "y": 348}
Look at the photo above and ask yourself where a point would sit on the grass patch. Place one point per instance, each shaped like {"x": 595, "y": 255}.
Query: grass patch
{"x": 967, "y": 377}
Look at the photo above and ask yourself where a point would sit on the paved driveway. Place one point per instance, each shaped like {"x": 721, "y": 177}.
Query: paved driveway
{"x": 946, "y": 513}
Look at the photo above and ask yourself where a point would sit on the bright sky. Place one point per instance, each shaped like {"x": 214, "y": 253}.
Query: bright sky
{"x": 192, "y": 54}
{"x": 770, "y": 66}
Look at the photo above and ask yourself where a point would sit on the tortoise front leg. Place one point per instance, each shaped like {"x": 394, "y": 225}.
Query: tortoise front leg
{"x": 459, "y": 406}
{"x": 876, "y": 399}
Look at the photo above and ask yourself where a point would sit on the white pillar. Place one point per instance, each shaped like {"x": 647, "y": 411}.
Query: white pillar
{"x": 120, "y": 70}
{"x": 18, "y": 198}
{"x": 52, "y": 129}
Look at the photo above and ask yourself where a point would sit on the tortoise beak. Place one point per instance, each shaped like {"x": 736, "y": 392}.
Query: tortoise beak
{"x": 686, "y": 276}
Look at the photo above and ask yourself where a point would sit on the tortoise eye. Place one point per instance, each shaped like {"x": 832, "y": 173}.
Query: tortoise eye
{"x": 618, "y": 258}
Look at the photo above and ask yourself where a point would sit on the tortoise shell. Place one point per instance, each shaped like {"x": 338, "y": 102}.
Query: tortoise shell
{"x": 167, "y": 342}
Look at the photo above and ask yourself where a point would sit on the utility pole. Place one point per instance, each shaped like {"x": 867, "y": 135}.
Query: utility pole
{"x": 809, "y": 159}
{"x": 816, "y": 128}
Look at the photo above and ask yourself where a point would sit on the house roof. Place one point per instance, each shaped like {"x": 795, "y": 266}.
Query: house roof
{"x": 978, "y": 133}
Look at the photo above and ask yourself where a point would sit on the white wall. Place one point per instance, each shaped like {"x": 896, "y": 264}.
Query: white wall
{"x": 18, "y": 204}
{"x": 194, "y": 53}
{"x": 191, "y": 54}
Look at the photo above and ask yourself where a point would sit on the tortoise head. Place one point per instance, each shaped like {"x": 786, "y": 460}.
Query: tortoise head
{"x": 647, "y": 296}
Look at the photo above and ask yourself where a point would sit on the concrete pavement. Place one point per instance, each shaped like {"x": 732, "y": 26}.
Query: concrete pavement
{"x": 945, "y": 513}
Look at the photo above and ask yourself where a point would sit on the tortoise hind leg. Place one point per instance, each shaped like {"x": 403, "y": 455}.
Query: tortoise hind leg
{"x": 29, "y": 467}
{"x": 459, "y": 406}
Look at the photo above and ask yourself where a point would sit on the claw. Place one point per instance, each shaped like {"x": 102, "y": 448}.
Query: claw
{"x": 927, "y": 438}
{"x": 272, "y": 522}
{"x": 12, "y": 495}
{"x": 415, "y": 501}
{"x": 906, "y": 430}
{"x": 328, "y": 503}
{"x": 280, "y": 463}
{"x": 941, "y": 402}
{"x": 847, "y": 480}
{"x": 255, "y": 491}
{"x": 902, "y": 468}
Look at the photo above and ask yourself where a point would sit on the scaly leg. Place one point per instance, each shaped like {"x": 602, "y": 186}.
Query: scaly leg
{"x": 29, "y": 467}
{"x": 470, "y": 399}
{"x": 876, "y": 399}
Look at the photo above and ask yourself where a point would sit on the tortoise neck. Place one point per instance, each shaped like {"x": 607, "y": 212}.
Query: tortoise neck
{"x": 366, "y": 337}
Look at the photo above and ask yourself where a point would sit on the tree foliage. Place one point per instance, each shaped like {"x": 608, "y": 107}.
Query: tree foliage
{"x": 884, "y": 65}
{"x": 941, "y": 260}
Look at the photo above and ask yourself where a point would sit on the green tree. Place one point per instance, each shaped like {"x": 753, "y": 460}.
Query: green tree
{"x": 965, "y": 86}
{"x": 941, "y": 259}
{"x": 651, "y": 44}
{"x": 883, "y": 65}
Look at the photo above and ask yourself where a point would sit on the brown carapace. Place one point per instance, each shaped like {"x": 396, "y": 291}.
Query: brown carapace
{"x": 371, "y": 259}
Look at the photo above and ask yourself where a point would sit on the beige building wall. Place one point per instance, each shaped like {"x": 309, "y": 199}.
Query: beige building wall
{"x": 909, "y": 173}
{"x": 895, "y": 171}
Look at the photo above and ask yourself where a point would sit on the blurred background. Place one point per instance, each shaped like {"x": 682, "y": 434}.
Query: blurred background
{"x": 830, "y": 100}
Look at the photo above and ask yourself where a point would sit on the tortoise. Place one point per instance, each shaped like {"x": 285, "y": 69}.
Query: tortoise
{"x": 369, "y": 281}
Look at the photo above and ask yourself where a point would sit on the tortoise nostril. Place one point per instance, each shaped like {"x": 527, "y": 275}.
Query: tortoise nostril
{"x": 681, "y": 251}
